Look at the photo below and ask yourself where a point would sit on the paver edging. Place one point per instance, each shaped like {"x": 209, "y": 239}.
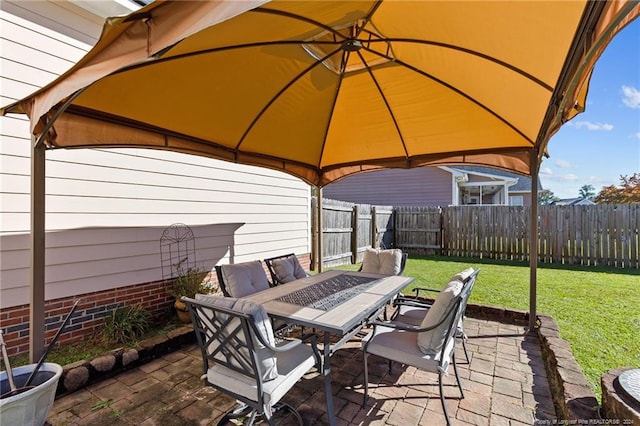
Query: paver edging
{"x": 83, "y": 373}
{"x": 573, "y": 397}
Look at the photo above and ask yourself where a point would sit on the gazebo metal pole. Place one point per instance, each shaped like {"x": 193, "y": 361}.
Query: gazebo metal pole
{"x": 38, "y": 190}
{"x": 533, "y": 240}
{"x": 36, "y": 293}
{"x": 320, "y": 247}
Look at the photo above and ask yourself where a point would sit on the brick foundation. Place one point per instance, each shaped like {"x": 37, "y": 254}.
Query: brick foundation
{"x": 88, "y": 317}
{"x": 91, "y": 310}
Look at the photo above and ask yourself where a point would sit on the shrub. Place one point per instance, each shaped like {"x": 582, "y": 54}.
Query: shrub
{"x": 126, "y": 323}
{"x": 188, "y": 283}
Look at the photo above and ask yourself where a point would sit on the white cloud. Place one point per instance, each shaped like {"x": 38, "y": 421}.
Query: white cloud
{"x": 631, "y": 97}
{"x": 593, "y": 126}
{"x": 637, "y": 135}
{"x": 546, "y": 172}
{"x": 569, "y": 177}
{"x": 598, "y": 181}
{"x": 563, "y": 164}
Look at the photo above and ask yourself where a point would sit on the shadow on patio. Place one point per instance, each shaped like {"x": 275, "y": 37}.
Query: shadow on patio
{"x": 505, "y": 384}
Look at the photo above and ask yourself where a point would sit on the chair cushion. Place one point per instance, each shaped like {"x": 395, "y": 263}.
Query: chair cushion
{"x": 292, "y": 365}
{"x": 243, "y": 279}
{"x": 288, "y": 269}
{"x": 411, "y": 315}
{"x": 433, "y": 340}
{"x": 266, "y": 357}
{"x": 463, "y": 275}
{"x": 384, "y": 262}
{"x": 401, "y": 346}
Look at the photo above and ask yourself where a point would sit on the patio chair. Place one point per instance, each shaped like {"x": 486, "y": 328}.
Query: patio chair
{"x": 412, "y": 311}
{"x": 429, "y": 346}
{"x": 241, "y": 359}
{"x": 242, "y": 279}
{"x": 285, "y": 268}
{"x": 385, "y": 261}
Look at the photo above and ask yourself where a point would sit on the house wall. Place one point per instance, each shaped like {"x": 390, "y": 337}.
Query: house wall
{"x": 526, "y": 197}
{"x": 106, "y": 209}
{"x": 422, "y": 186}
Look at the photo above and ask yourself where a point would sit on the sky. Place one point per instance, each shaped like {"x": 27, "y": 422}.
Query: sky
{"x": 599, "y": 145}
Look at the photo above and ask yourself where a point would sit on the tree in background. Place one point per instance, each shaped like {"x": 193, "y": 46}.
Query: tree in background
{"x": 627, "y": 193}
{"x": 587, "y": 192}
{"x": 546, "y": 197}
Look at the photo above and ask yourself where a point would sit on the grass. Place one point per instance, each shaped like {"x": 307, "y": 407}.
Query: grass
{"x": 596, "y": 309}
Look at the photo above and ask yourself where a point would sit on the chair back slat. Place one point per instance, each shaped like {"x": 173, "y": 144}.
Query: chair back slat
{"x": 225, "y": 337}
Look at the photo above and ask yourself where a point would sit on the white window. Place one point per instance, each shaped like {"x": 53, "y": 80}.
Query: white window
{"x": 516, "y": 200}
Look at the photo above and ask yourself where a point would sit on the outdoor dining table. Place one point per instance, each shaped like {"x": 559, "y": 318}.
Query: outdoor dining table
{"x": 339, "y": 303}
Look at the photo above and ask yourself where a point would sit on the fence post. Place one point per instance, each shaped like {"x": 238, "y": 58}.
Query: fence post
{"x": 374, "y": 228}
{"x": 354, "y": 235}
{"x": 314, "y": 233}
{"x": 394, "y": 214}
{"x": 440, "y": 235}
{"x": 320, "y": 241}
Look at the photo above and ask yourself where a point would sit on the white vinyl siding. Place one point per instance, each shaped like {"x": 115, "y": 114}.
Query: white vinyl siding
{"x": 106, "y": 209}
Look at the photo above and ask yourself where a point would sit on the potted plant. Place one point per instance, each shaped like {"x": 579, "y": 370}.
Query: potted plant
{"x": 187, "y": 283}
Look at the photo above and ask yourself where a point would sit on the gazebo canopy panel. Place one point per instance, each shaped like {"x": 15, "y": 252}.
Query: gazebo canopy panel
{"x": 325, "y": 89}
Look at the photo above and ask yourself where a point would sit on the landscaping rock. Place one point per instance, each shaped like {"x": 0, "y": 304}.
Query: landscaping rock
{"x": 103, "y": 363}
{"x": 84, "y": 373}
{"x": 129, "y": 356}
{"x": 75, "y": 378}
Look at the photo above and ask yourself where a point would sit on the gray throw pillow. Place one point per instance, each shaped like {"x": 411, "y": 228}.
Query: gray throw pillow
{"x": 432, "y": 341}
{"x": 288, "y": 269}
{"x": 243, "y": 279}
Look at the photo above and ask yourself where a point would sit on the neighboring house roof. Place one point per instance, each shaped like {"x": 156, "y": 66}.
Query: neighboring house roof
{"x": 578, "y": 201}
{"x": 523, "y": 183}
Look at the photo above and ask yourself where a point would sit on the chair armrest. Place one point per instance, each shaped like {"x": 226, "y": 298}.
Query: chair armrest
{"x": 405, "y": 301}
{"x": 396, "y": 325}
{"x": 417, "y": 290}
{"x": 290, "y": 344}
{"x": 313, "y": 337}
{"x": 408, "y": 327}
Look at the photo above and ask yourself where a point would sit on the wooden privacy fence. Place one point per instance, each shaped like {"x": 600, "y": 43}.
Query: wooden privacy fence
{"x": 349, "y": 229}
{"x": 596, "y": 235}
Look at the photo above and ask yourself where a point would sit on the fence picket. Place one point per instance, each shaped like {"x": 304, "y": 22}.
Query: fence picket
{"x": 582, "y": 235}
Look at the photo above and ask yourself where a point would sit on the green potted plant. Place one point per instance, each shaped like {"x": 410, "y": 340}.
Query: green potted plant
{"x": 187, "y": 283}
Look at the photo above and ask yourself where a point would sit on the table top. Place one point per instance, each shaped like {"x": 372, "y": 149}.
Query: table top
{"x": 340, "y": 318}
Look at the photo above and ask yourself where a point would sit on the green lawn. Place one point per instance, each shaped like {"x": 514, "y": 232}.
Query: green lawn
{"x": 597, "y": 309}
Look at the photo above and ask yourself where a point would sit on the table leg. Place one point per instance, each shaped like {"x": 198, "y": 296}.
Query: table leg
{"x": 326, "y": 372}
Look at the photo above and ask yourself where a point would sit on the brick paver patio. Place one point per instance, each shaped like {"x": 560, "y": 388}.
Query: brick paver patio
{"x": 505, "y": 384}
